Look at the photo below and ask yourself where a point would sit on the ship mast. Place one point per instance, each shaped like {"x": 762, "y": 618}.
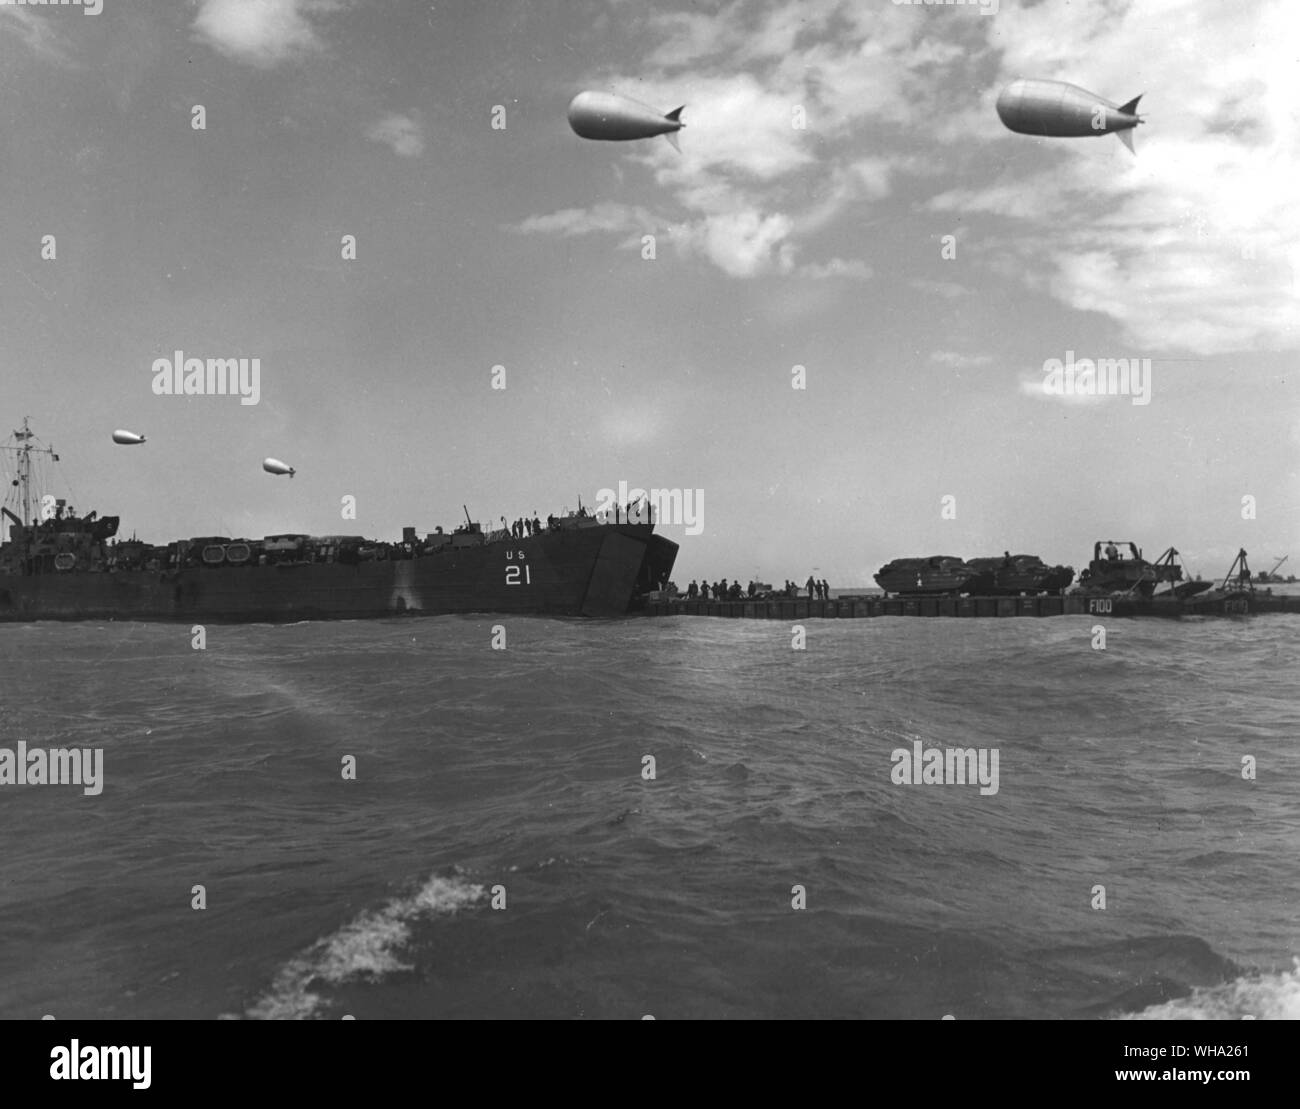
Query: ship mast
{"x": 25, "y": 450}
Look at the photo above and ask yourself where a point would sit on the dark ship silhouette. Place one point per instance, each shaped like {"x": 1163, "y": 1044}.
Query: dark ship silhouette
{"x": 71, "y": 567}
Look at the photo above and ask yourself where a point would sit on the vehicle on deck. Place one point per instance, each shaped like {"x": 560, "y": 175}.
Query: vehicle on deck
{"x": 937, "y": 574}
{"x": 1131, "y": 573}
{"x": 1017, "y": 574}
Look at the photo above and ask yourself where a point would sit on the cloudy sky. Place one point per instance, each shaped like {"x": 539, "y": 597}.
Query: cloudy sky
{"x": 831, "y": 148}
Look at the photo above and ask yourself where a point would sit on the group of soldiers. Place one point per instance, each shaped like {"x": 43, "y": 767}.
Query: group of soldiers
{"x": 817, "y": 590}
{"x": 721, "y": 591}
{"x": 524, "y": 527}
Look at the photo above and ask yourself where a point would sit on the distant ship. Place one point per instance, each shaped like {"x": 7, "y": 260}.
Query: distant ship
{"x": 1273, "y": 576}
{"x": 71, "y": 567}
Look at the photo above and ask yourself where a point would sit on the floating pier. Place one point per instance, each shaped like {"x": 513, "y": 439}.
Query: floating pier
{"x": 1071, "y": 604}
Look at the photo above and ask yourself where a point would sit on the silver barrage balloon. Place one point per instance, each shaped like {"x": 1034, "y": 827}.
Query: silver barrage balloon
{"x": 1035, "y": 106}
{"x": 609, "y": 117}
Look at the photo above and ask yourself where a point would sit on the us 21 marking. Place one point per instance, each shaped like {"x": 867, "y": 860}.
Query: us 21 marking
{"x": 512, "y": 575}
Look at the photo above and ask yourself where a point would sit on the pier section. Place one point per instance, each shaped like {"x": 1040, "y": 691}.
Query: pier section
{"x": 1070, "y": 604}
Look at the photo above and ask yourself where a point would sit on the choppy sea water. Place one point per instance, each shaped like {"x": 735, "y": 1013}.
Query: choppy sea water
{"x": 522, "y": 771}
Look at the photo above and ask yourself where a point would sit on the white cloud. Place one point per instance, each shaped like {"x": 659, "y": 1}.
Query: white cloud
{"x": 736, "y": 125}
{"x": 837, "y": 267}
{"x": 606, "y": 217}
{"x": 1036, "y": 198}
{"x": 1033, "y": 383}
{"x": 400, "y": 132}
{"x": 959, "y": 360}
{"x": 262, "y": 32}
{"x": 949, "y": 290}
{"x": 35, "y": 31}
{"x": 764, "y": 166}
{"x": 1191, "y": 245}
{"x": 743, "y": 243}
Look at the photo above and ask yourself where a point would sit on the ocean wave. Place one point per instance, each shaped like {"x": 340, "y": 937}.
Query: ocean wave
{"x": 365, "y": 948}
{"x": 1254, "y": 997}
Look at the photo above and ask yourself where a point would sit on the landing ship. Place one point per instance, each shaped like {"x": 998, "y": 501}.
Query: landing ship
{"x": 66, "y": 566}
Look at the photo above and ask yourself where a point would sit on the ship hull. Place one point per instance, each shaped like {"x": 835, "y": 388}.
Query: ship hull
{"x": 588, "y": 571}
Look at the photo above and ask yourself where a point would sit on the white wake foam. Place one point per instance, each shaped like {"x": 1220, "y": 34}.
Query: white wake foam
{"x": 1261, "y": 997}
{"x": 367, "y": 947}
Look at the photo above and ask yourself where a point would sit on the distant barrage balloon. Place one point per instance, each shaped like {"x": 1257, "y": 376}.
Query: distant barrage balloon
{"x": 1035, "y": 106}
{"x": 609, "y": 117}
{"x": 127, "y": 438}
{"x": 275, "y": 466}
